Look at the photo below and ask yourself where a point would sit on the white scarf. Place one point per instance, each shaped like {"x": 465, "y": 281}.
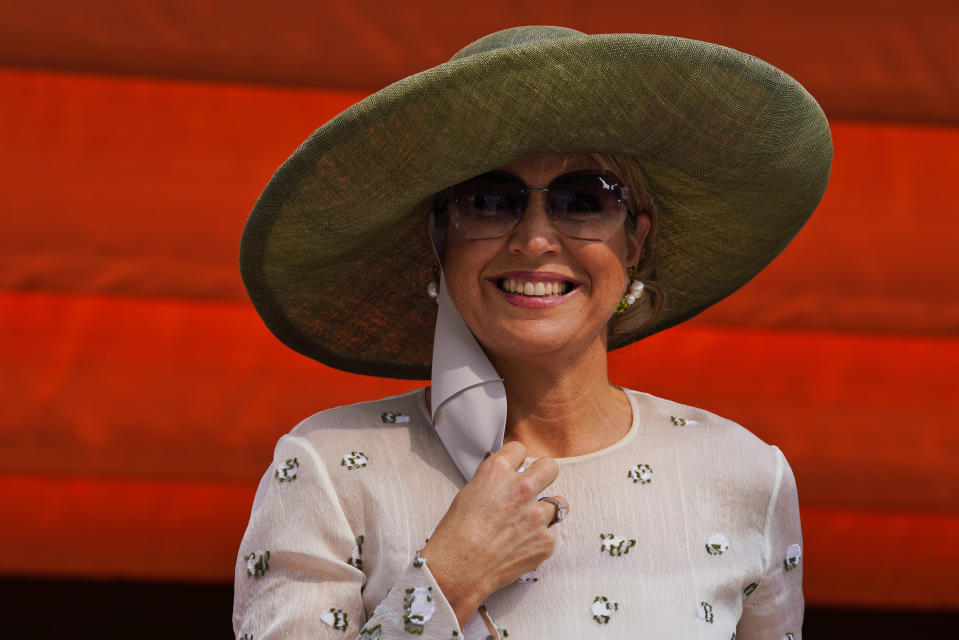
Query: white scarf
{"x": 467, "y": 397}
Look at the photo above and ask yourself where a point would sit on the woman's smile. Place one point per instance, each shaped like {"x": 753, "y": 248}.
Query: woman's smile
{"x": 532, "y": 289}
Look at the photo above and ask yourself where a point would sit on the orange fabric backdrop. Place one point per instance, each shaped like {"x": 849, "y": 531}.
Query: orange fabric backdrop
{"x": 140, "y": 395}
{"x": 140, "y": 187}
{"x": 862, "y": 59}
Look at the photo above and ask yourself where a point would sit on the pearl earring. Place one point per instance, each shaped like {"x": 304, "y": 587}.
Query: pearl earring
{"x": 433, "y": 286}
{"x": 635, "y": 291}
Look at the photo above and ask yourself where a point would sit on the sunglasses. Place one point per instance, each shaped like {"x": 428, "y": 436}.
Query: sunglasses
{"x": 589, "y": 204}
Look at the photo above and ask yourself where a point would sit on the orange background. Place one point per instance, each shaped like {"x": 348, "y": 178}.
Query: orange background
{"x": 140, "y": 395}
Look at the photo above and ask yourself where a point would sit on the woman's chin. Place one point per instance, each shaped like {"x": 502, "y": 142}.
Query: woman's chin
{"x": 533, "y": 339}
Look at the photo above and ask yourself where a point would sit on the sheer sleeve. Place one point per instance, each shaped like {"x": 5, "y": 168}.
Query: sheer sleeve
{"x": 773, "y": 608}
{"x": 299, "y": 568}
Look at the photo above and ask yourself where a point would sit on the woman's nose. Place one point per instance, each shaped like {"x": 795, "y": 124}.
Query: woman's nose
{"x": 535, "y": 233}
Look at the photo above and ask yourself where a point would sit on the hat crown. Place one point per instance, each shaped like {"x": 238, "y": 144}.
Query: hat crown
{"x": 516, "y": 36}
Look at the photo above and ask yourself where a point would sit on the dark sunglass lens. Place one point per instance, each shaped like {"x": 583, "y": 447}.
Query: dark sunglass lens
{"x": 576, "y": 201}
{"x": 492, "y": 201}
{"x": 488, "y": 205}
{"x": 584, "y": 194}
{"x": 490, "y": 194}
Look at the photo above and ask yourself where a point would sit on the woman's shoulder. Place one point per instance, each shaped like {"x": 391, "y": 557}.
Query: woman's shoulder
{"x": 384, "y": 435}
{"x": 383, "y": 416}
{"x": 702, "y": 433}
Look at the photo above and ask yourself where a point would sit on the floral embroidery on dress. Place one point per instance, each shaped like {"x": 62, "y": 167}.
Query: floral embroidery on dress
{"x": 286, "y": 471}
{"x": 750, "y": 588}
{"x": 529, "y": 576}
{"x": 418, "y": 608}
{"x": 733, "y": 637}
{"x": 681, "y": 422}
{"x": 245, "y": 636}
{"x": 789, "y": 636}
{"x": 615, "y": 545}
{"x": 336, "y": 618}
{"x": 603, "y": 609}
{"x": 355, "y": 559}
{"x": 394, "y": 418}
{"x": 793, "y": 555}
{"x": 640, "y": 473}
{"x": 257, "y": 563}
{"x": 503, "y": 633}
{"x": 354, "y": 460}
{"x": 705, "y": 612}
{"x": 418, "y": 559}
{"x": 716, "y": 544}
{"x": 371, "y": 633}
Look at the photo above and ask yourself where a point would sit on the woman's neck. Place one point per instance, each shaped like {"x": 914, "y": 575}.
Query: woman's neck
{"x": 563, "y": 406}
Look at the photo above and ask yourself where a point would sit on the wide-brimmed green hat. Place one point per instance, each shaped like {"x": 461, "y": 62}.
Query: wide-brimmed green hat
{"x": 336, "y": 253}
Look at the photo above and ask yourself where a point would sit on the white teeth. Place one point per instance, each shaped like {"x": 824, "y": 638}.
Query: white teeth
{"x": 533, "y": 289}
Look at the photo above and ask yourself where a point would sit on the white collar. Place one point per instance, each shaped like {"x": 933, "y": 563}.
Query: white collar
{"x": 467, "y": 397}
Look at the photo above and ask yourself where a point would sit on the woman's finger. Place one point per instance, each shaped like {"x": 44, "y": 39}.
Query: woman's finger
{"x": 542, "y": 472}
{"x": 514, "y": 453}
{"x": 557, "y": 511}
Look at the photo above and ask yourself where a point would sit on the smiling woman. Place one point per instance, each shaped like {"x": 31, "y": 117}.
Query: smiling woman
{"x": 522, "y": 493}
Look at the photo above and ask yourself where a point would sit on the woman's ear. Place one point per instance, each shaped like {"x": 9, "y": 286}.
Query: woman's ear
{"x": 637, "y": 239}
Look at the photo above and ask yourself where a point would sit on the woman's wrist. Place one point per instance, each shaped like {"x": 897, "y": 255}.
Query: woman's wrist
{"x": 463, "y": 595}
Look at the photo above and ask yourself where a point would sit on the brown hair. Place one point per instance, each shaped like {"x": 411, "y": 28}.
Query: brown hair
{"x": 624, "y": 326}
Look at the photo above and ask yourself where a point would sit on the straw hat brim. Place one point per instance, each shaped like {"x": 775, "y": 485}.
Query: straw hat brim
{"x": 336, "y": 254}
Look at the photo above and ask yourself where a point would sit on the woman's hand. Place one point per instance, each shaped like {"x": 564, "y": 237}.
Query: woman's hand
{"x": 495, "y": 530}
